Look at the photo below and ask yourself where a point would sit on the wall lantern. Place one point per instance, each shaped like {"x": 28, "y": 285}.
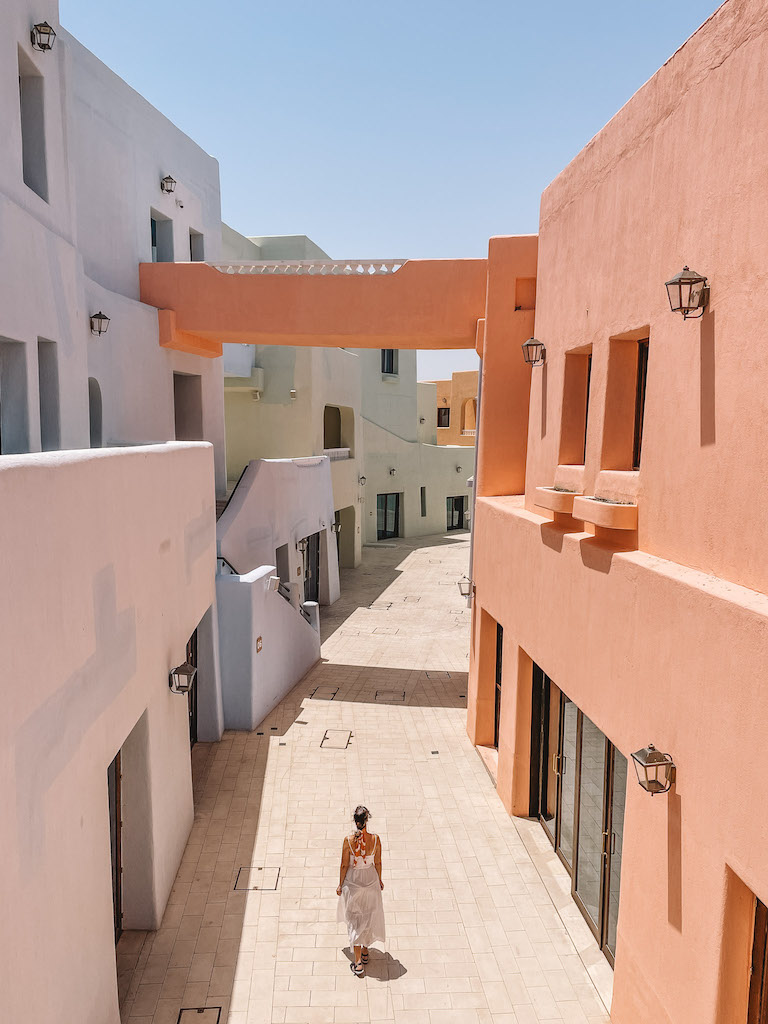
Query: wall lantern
{"x": 302, "y": 545}
{"x": 465, "y": 586}
{"x": 99, "y": 323}
{"x": 688, "y": 293}
{"x": 422, "y": 419}
{"x": 534, "y": 353}
{"x": 361, "y": 481}
{"x": 168, "y": 184}
{"x": 458, "y": 469}
{"x": 42, "y": 36}
{"x": 336, "y": 527}
{"x": 655, "y": 770}
{"x": 182, "y": 678}
{"x": 392, "y": 471}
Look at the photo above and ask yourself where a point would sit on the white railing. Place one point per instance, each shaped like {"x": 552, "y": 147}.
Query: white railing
{"x": 336, "y": 454}
{"x": 468, "y": 433}
{"x": 360, "y": 268}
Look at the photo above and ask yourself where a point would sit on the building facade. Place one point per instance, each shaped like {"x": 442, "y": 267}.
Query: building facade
{"x": 630, "y": 602}
{"x": 457, "y": 408}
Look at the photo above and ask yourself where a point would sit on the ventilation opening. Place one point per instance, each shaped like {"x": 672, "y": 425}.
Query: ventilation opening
{"x": 31, "y": 104}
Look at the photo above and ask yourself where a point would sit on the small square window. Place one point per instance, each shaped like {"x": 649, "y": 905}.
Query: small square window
{"x": 443, "y": 417}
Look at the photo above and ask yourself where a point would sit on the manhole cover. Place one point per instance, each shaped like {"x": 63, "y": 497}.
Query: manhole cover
{"x": 200, "y": 1015}
{"x": 324, "y": 692}
{"x": 257, "y": 878}
{"x": 390, "y": 696}
{"x": 336, "y": 739}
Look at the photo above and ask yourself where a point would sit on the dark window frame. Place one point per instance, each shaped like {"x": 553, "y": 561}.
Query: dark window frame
{"x": 641, "y": 387}
{"x": 389, "y": 361}
{"x": 447, "y": 416}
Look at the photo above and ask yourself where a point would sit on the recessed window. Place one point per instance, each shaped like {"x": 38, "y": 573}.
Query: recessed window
{"x": 443, "y": 417}
{"x": 196, "y": 247}
{"x": 31, "y": 104}
{"x": 389, "y": 361}
{"x": 625, "y": 401}
{"x": 48, "y": 381}
{"x": 423, "y": 502}
{"x": 95, "y": 413}
{"x": 161, "y": 233}
{"x": 332, "y": 427}
{"x": 573, "y": 427}
{"x": 188, "y": 406}
{"x": 14, "y": 415}
{"x": 525, "y": 293}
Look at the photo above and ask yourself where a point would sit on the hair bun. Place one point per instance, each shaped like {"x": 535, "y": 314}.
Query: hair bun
{"x": 361, "y": 816}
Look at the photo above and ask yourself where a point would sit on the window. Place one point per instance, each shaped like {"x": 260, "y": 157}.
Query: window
{"x": 443, "y": 417}
{"x": 423, "y": 501}
{"x": 332, "y": 427}
{"x": 95, "y": 412}
{"x": 389, "y": 361}
{"x": 48, "y": 381}
{"x": 196, "y": 248}
{"x": 188, "y": 406}
{"x": 573, "y": 427}
{"x": 32, "y": 127}
{"x": 161, "y": 231}
{"x": 641, "y": 378}
{"x": 14, "y": 412}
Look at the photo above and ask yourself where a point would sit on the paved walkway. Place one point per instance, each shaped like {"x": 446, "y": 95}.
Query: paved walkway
{"x": 471, "y": 896}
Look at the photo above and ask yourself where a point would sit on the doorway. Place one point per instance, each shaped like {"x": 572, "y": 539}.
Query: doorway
{"x": 188, "y": 406}
{"x": 312, "y": 567}
{"x": 114, "y": 790}
{"x": 578, "y": 792}
{"x": 758, "y": 975}
{"x": 455, "y": 510}
{"x": 497, "y": 687}
{"x": 387, "y": 516}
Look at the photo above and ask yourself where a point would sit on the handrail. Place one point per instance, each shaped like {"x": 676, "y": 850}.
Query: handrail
{"x": 359, "y": 268}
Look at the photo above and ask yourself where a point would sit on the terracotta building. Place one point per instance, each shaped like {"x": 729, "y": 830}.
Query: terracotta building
{"x": 457, "y": 408}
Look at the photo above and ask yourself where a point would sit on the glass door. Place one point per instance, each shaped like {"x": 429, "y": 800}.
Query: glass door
{"x": 497, "y": 708}
{"x": 591, "y": 826}
{"x": 614, "y": 844}
{"x": 546, "y": 699}
{"x": 455, "y": 512}
{"x": 387, "y": 516}
{"x": 567, "y": 769}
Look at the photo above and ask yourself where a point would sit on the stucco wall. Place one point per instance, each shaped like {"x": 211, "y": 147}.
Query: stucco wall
{"x": 457, "y": 395}
{"x": 112, "y": 575}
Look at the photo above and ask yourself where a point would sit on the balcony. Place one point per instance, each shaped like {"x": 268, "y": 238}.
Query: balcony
{"x": 337, "y": 454}
{"x": 412, "y": 304}
{"x": 468, "y": 433}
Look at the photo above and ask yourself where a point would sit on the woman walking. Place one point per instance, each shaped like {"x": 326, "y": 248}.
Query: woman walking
{"x": 360, "y": 903}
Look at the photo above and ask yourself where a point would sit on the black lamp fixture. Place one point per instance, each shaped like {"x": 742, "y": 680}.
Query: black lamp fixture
{"x": 458, "y": 469}
{"x": 534, "y": 352}
{"x": 182, "y": 678}
{"x": 392, "y": 471}
{"x": 99, "y": 323}
{"x": 361, "y": 481}
{"x": 655, "y": 770}
{"x": 688, "y": 293}
{"x": 168, "y": 184}
{"x": 42, "y": 36}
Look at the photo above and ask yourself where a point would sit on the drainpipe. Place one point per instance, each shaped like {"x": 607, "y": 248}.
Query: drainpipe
{"x": 474, "y": 482}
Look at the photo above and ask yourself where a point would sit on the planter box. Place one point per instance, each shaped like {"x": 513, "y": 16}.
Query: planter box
{"x": 608, "y": 514}
{"x": 555, "y": 501}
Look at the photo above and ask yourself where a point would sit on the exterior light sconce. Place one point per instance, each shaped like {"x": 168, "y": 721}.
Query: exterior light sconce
{"x": 42, "y": 36}
{"x": 458, "y": 469}
{"x": 167, "y": 184}
{"x": 273, "y": 583}
{"x": 422, "y": 419}
{"x": 392, "y": 471}
{"x": 655, "y": 770}
{"x": 182, "y": 678}
{"x": 688, "y": 293}
{"x": 293, "y": 394}
{"x": 99, "y": 323}
{"x": 336, "y": 527}
{"x": 465, "y": 586}
{"x": 534, "y": 352}
{"x": 302, "y": 545}
{"x": 361, "y": 481}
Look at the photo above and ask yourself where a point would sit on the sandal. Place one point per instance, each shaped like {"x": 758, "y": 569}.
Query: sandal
{"x": 364, "y": 958}
{"x": 357, "y": 969}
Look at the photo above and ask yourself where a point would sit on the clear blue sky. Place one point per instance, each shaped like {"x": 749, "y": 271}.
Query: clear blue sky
{"x": 410, "y": 128}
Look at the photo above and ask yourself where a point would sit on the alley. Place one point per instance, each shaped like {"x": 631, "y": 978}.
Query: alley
{"x": 481, "y": 927}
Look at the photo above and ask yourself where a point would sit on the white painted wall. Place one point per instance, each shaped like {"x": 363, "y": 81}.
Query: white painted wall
{"x": 107, "y": 560}
{"x": 266, "y": 645}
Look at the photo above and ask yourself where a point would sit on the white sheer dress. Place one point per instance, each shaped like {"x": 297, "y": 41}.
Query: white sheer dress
{"x": 361, "y": 907}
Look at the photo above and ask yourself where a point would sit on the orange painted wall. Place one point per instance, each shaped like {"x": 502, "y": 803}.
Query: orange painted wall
{"x": 455, "y": 394}
{"x": 666, "y": 643}
{"x": 506, "y": 378}
{"x": 425, "y": 304}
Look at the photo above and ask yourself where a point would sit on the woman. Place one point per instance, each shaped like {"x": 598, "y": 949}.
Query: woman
{"x": 360, "y": 885}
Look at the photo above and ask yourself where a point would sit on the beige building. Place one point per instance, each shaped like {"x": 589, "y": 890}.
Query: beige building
{"x": 457, "y": 408}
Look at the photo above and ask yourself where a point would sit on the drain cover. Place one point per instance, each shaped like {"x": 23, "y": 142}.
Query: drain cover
{"x": 200, "y": 1015}
{"x": 390, "y": 696}
{"x": 324, "y": 692}
{"x": 257, "y": 878}
{"x": 336, "y": 739}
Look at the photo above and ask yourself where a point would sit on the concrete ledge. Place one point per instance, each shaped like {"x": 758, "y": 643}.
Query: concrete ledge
{"x": 607, "y": 514}
{"x": 554, "y": 500}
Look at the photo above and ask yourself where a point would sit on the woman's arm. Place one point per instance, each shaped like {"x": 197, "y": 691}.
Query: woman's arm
{"x": 344, "y": 866}
{"x": 377, "y": 860}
